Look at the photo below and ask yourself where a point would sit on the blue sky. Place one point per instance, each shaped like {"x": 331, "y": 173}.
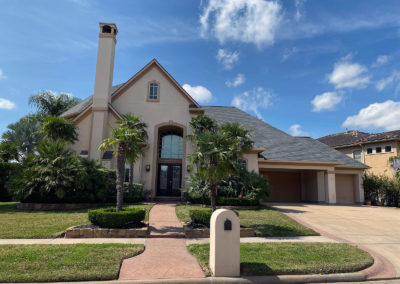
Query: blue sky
{"x": 306, "y": 67}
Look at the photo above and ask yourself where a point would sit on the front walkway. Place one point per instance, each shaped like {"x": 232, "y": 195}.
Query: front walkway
{"x": 374, "y": 228}
{"x": 166, "y": 255}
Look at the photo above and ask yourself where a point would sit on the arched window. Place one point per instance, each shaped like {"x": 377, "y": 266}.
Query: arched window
{"x": 171, "y": 146}
{"x": 153, "y": 92}
{"x": 357, "y": 155}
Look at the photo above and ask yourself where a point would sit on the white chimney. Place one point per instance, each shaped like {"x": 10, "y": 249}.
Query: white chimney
{"x": 102, "y": 87}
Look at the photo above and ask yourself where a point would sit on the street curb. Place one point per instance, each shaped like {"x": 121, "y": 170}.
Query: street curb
{"x": 381, "y": 269}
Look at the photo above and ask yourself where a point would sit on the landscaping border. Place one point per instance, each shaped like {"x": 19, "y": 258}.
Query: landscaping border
{"x": 74, "y": 232}
{"x": 205, "y": 232}
{"x": 68, "y": 206}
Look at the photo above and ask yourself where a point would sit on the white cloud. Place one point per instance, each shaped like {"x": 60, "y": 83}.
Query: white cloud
{"x": 326, "y": 101}
{"x": 249, "y": 21}
{"x": 2, "y": 76}
{"x": 394, "y": 78}
{"x": 295, "y": 130}
{"x": 377, "y": 115}
{"x": 381, "y": 60}
{"x": 253, "y": 100}
{"x": 227, "y": 58}
{"x": 299, "y": 4}
{"x": 6, "y": 104}
{"x": 349, "y": 75}
{"x": 239, "y": 80}
{"x": 199, "y": 93}
{"x": 289, "y": 52}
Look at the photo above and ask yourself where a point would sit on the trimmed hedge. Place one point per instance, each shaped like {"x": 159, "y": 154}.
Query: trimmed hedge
{"x": 202, "y": 216}
{"x": 109, "y": 218}
{"x": 225, "y": 201}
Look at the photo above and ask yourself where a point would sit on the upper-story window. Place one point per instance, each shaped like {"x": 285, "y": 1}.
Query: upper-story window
{"x": 378, "y": 150}
{"x": 357, "y": 155}
{"x": 171, "y": 146}
{"x": 388, "y": 149}
{"x": 369, "y": 150}
{"x": 154, "y": 90}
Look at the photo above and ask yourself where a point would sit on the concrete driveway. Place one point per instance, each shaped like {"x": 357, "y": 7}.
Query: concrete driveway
{"x": 377, "y": 228}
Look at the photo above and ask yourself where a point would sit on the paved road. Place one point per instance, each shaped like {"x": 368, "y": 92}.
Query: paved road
{"x": 377, "y": 228}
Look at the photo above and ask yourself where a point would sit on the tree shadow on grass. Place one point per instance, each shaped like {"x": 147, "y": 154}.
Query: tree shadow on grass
{"x": 254, "y": 268}
{"x": 268, "y": 230}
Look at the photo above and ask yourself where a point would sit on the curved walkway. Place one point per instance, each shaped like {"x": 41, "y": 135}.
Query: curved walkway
{"x": 375, "y": 229}
{"x": 166, "y": 255}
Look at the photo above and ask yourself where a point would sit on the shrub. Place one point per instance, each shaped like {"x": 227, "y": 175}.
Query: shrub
{"x": 7, "y": 170}
{"x": 382, "y": 189}
{"x": 109, "y": 218}
{"x": 202, "y": 216}
{"x": 251, "y": 186}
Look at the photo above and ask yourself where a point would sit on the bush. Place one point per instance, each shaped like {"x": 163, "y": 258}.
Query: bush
{"x": 7, "y": 170}
{"x": 109, "y": 218}
{"x": 202, "y": 216}
{"x": 243, "y": 188}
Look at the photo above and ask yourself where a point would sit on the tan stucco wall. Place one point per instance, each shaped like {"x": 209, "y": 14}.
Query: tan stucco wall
{"x": 252, "y": 161}
{"x": 172, "y": 107}
{"x": 84, "y": 124}
{"x": 379, "y": 162}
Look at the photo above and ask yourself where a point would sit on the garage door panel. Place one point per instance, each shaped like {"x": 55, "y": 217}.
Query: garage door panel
{"x": 344, "y": 189}
{"x": 285, "y": 186}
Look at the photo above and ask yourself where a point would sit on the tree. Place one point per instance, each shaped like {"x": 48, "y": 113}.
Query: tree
{"x": 24, "y": 134}
{"x": 125, "y": 139}
{"x": 8, "y": 152}
{"x": 54, "y": 128}
{"x": 49, "y": 103}
{"x": 217, "y": 149}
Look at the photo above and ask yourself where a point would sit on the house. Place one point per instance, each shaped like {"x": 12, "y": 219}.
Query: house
{"x": 373, "y": 150}
{"x": 298, "y": 168}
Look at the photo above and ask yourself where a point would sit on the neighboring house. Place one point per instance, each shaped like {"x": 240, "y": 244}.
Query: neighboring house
{"x": 373, "y": 150}
{"x": 299, "y": 168}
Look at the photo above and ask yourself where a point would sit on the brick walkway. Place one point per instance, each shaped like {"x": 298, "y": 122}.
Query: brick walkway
{"x": 166, "y": 255}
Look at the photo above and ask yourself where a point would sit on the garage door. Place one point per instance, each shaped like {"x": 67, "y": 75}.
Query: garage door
{"x": 345, "y": 189}
{"x": 285, "y": 186}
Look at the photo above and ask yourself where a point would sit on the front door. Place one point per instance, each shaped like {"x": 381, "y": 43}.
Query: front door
{"x": 169, "y": 179}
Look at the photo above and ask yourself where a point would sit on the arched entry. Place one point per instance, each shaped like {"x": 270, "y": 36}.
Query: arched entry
{"x": 170, "y": 156}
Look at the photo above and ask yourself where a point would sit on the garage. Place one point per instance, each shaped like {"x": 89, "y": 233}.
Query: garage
{"x": 344, "y": 189}
{"x": 285, "y": 186}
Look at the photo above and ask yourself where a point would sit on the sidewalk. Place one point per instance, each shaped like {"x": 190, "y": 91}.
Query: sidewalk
{"x": 166, "y": 255}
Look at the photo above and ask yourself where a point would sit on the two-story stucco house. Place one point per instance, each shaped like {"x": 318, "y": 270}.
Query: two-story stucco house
{"x": 299, "y": 168}
{"x": 373, "y": 150}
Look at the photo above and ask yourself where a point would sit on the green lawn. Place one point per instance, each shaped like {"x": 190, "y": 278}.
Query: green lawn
{"x": 266, "y": 222}
{"x": 80, "y": 262}
{"x": 16, "y": 223}
{"x": 293, "y": 258}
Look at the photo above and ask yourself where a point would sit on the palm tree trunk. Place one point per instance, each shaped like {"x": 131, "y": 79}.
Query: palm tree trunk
{"x": 120, "y": 175}
{"x": 213, "y": 188}
{"x": 130, "y": 187}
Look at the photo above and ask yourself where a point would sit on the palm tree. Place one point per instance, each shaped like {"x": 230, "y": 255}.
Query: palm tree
{"x": 217, "y": 149}
{"x": 49, "y": 103}
{"x": 126, "y": 139}
{"x": 8, "y": 152}
{"x": 55, "y": 128}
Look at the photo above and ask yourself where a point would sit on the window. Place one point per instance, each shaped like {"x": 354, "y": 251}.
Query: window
{"x": 153, "y": 91}
{"x": 369, "y": 150}
{"x": 388, "y": 149}
{"x": 171, "y": 146}
{"x": 107, "y": 155}
{"x": 378, "y": 150}
{"x": 357, "y": 155}
{"x": 242, "y": 163}
{"x": 126, "y": 172}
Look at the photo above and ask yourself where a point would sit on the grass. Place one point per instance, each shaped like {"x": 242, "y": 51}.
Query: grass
{"x": 15, "y": 224}
{"x": 266, "y": 221}
{"x": 44, "y": 263}
{"x": 293, "y": 258}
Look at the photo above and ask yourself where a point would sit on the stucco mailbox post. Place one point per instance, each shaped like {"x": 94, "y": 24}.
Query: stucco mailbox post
{"x": 224, "y": 243}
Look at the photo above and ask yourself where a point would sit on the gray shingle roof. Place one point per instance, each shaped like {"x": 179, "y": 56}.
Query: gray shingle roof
{"x": 86, "y": 103}
{"x": 278, "y": 144}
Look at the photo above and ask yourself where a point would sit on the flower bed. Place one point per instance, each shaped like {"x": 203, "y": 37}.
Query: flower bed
{"x": 92, "y": 231}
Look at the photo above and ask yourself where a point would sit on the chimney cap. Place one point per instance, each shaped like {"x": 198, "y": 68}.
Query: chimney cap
{"x": 108, "y": 28}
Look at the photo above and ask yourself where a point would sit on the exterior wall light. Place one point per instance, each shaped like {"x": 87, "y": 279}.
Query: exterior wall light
{"x": 147, "y": 168}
